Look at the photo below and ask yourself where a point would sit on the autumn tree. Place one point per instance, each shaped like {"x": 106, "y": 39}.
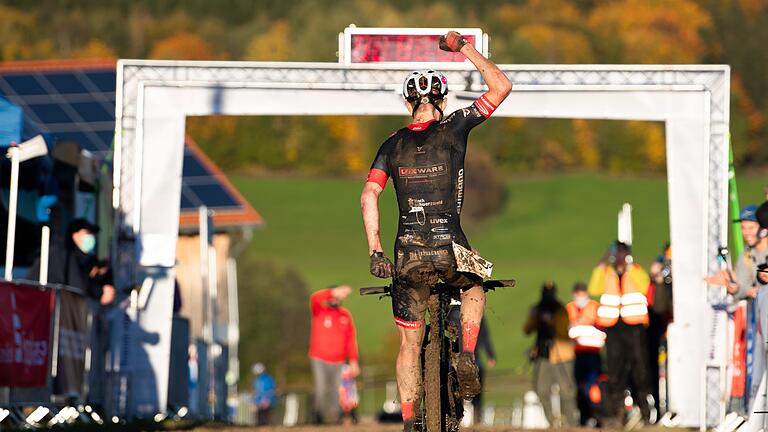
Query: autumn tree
{"x": 182, "y": 46}
{"x": 642, "y": 31}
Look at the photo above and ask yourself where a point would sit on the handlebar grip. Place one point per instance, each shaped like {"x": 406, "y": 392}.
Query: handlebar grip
{"x": 493, "y": 284}
{"x": 374, "y": 290}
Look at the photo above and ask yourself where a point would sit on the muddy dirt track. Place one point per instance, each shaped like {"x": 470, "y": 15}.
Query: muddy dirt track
{"x": 387, "y": 428}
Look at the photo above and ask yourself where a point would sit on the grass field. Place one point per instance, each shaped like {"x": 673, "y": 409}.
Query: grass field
{"x": 554, "y": 227}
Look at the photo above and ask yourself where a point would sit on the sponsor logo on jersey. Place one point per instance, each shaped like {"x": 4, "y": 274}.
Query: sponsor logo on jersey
{"x": 438, "y": 220}
{"x": 442, "y": 237}
{"x": 427, "y": 253}
{"x": 459, "y": 190}
{"x": 440, "y": 229}
{"x": 421, "y": 202}
{"x": 425, "y": 171}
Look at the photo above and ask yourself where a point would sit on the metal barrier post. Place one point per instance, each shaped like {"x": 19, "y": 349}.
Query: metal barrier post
{"x": 12, "y": 201}
{"x": 44, "y": 243}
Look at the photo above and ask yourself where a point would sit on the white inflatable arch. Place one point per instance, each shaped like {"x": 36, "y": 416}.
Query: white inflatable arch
{"x": 155, "y": 97}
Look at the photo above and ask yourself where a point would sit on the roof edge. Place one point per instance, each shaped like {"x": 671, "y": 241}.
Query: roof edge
{"x": 60, "y": 64}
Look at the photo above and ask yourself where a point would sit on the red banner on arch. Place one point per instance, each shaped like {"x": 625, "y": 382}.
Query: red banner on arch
{"x": 25, "y": 334}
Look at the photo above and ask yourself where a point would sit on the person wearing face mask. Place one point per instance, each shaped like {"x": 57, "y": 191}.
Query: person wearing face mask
{"x": 622, "y": 286}
{"x": 332, "y": 344}
{"x": 72, "y": 262}
{"x": 552, "y": 356}
{"x": 588, "y": 340}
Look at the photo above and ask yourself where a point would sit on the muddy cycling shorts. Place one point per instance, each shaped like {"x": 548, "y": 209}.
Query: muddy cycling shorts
{"x": 417, "y": 271}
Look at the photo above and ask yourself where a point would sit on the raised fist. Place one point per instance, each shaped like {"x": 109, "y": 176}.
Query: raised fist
{"x": 452, "y": 41}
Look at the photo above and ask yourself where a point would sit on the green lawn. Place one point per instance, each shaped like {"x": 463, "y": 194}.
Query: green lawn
{"x": 554, "y": 227}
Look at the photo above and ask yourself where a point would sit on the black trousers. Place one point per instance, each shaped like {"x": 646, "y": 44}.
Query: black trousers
{"x": 586, "y": 370}
{"x": 627, "y": 367}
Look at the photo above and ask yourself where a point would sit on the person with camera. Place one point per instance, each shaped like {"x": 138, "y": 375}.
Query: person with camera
{"x": 745, "y": 282}
{"x": 552, "y": 356}
{"x": 659, "y": 314}
{"x": 622, "y": 286}
{"x": 760, "y": 280}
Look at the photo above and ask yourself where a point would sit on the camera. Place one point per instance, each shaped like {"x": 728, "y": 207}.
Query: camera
{"x": 666, "y": 272}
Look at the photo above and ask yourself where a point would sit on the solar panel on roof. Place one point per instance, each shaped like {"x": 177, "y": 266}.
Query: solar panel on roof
{"x": 94, "y": 111}
{"x": 192, "y": 167}
{"x": 79, "y": 104}
{"x": 213, "y": 195}
{"x": 24, "y": 85}
{"x": 66, "y": 83}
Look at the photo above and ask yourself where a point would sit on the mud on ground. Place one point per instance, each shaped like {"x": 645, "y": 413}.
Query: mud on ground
{"x": 373, "y": 427}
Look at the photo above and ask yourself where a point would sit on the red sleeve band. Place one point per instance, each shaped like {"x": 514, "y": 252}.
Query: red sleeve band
{"x": 485, "y": 106}
{"x": 378, "y": 176}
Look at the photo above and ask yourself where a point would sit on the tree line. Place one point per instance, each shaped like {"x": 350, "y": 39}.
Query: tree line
{"x": 522, "y": 31}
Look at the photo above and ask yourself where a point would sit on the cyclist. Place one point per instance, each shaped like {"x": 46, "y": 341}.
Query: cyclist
{"x": 426, "y": 163}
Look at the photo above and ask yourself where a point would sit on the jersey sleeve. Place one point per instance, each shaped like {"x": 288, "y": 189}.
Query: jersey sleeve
{"x": 467, "y": 118}
{"x": 379, "y": 172}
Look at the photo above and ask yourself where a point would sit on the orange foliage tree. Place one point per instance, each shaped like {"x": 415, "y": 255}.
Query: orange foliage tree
{"x": 182, "y": 46}
{"x": 650, "y": 31}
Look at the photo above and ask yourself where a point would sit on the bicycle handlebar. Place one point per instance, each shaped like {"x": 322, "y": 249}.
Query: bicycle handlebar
{"x": 375, "y": 290}
{"x": 487, "y": 286}
{"x": 493, "y": 284}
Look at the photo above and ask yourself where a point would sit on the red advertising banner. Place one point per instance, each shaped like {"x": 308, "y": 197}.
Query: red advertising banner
{"x": 739, "y": 354}
{"x": 25, "y": 327}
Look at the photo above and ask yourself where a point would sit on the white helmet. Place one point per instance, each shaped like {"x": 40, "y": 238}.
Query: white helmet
{"x": 430, "y": 83}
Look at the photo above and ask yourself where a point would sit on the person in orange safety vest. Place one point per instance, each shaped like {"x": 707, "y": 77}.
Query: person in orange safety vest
{"x": 622, "y": 285}
{"x": 588, "y": 340}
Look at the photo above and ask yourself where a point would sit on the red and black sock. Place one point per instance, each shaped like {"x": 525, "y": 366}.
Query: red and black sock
{"x": 469, "y": 332}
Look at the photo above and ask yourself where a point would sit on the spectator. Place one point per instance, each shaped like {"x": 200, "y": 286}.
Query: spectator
{"x": 743, "y": 284}
{"x": 552, "y": 356}
{"x": 761, "y": 307}
{"x": 483, "y": 344}
{"x": 622, "y": 286}
{"x": 333, "y": 343}
{"x": 659, "y": 316}
{"x": 71, "y": 262}
{"x": 264, "y": 394}
{"x": 582, "y": 314}
{"x": 348, "y": 396}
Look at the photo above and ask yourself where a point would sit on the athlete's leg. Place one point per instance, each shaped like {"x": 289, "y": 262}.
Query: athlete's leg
{"x": 472, "y": 308}
{"x": 408, "y": 368}
{"x": 409, "y": 305}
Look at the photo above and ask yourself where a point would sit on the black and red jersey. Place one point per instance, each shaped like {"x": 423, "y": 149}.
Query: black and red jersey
{"x": 426, "y": 164}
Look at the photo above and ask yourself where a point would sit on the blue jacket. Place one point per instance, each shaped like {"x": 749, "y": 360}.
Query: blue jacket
{"x": 264, "y": 390}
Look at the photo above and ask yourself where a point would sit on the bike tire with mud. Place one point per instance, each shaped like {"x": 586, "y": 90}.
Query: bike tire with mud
{"x": 432, "y": 368}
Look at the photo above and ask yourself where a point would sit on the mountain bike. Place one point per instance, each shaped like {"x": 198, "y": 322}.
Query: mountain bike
{"x": 439, "y": 408}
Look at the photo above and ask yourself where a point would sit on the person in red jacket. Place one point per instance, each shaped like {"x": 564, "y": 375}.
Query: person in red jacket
{"x": 332, "y": 344}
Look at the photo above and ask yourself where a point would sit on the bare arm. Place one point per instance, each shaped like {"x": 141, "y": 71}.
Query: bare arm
{"x": 369, "y": 202}
{"x": 499, "y": 85}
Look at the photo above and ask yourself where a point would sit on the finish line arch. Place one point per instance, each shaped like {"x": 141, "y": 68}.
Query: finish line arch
{"x": 155, "y": 97}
